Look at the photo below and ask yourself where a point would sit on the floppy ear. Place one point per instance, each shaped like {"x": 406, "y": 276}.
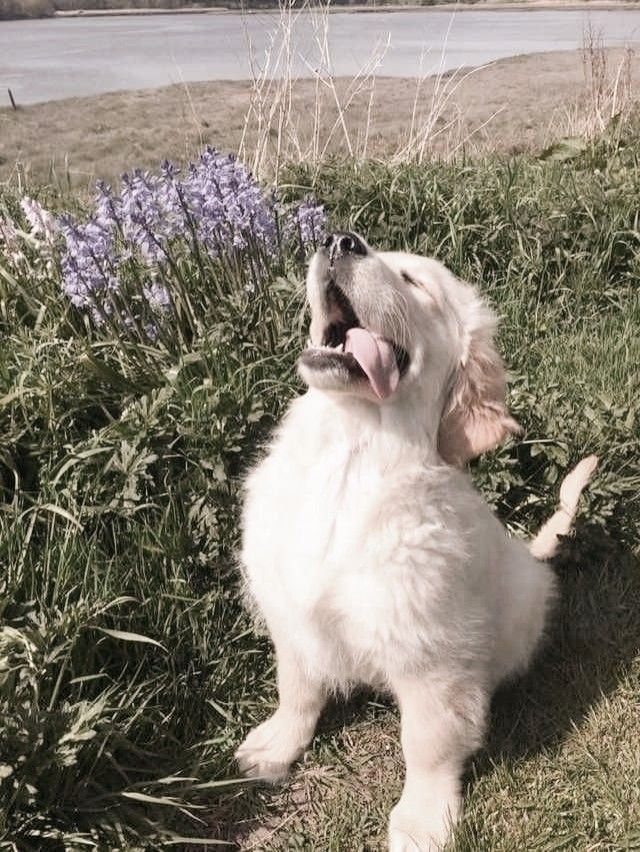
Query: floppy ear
{"x": 475, "y": 418}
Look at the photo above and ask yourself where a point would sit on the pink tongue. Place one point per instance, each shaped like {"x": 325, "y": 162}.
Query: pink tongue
{"x": 376, "y": 357}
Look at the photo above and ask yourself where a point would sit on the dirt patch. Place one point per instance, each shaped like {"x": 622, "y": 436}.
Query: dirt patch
{"x": 508, "y": 106}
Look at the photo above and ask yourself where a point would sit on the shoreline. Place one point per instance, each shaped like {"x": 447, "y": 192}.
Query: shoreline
{"x": 518, "y": 103}
{"x": 489, "y": 6}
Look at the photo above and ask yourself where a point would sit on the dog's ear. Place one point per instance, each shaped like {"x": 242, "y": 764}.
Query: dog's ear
{"x": 475, "y": 418}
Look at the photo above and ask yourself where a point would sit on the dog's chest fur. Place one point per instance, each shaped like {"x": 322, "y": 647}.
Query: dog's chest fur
{"x": 354, "y": 548}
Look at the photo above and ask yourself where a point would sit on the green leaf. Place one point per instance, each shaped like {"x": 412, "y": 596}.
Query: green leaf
{"x": 153, "y": 800}
{"x": 200, "y": 841}
{"x": 127, "y": 636}
{"x": 58, "y": 510}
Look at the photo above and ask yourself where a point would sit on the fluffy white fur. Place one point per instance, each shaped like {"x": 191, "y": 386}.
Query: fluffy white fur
{"x": 370, "y": 555}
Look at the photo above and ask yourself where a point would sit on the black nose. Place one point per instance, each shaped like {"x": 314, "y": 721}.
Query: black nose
{"x": 342, "y": 243}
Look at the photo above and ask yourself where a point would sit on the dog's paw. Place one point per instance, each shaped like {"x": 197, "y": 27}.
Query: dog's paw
{"x": 416, "y": 830}
{"x": 269, "y": 750}
{"x": 401, "y": 842}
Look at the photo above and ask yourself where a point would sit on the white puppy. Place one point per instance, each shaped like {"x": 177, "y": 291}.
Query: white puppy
{"x": 367, "y": 550}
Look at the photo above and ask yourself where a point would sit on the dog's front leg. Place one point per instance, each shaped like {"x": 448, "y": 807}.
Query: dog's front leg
{"x": 270, "y": 749}
{"x": 442, "y": 724}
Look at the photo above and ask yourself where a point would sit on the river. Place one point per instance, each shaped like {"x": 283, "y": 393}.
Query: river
{"x": 63, "y": 57}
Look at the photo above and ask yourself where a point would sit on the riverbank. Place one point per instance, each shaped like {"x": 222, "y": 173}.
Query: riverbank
{"x": 508, "y": 106}
{"x": 47, "y": 8}
{"x": 489, "y": 6}
{"x": 111, "y": 13}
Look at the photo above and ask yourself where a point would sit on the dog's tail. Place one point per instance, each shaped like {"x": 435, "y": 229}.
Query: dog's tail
{"x": 545, "y": 544}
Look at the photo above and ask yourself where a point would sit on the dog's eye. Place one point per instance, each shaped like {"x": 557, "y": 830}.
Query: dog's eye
{"x": 406, "y": 277}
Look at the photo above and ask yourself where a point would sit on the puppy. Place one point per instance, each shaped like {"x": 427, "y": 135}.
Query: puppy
{"x": 366, "y": 549}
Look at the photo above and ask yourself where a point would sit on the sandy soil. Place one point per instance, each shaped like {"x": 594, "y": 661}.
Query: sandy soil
{"x": 511, "y": 105}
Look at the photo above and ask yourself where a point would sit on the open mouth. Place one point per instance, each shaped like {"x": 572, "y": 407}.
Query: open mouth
{"x": 351, "y": 347}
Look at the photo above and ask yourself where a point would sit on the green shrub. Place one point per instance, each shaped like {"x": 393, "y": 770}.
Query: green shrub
{"x": 26, "y": 9}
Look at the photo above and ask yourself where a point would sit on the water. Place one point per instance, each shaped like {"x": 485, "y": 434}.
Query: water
{"x": 58, "y": 58}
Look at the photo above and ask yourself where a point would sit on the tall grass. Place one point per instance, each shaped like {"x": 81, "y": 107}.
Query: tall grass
{"x": 608, "y": 96}
{"x": 276, "y": 132}
{"x": 127, "y": 665}
{"x": 286, "y": 123}
{"x": 344, "y": 110}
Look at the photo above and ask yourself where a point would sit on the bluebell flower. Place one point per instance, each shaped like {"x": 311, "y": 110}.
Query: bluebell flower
{"x": 89, "y": 264}
{"x": 157, "y": 295}
{"x": 307, "y": 222}
{"x": 214, "y": 206}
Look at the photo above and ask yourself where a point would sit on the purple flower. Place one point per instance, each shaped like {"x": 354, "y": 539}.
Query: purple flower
{"x": 108, "y": 207}
{"x": 143, "y": 216}
{"x": 214, "y": 208}
{"x": 227, "y": 206}
{"x": 307, "y": 222}
{"x": 89, "y": 264}
{"x": 157, "y": 295}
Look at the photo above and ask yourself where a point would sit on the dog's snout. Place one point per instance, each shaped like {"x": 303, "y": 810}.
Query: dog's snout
{"x": 342, "y": 243}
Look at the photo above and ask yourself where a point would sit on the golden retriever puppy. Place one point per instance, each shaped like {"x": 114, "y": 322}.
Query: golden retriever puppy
{"x": 366, "y": 549}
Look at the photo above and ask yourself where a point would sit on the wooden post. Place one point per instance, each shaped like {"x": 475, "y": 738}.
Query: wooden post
{"x": 11, "y": 98}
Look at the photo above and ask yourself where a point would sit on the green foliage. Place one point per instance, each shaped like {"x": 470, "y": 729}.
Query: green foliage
{"x": 26, "y": 9}
{"x": 119, "y": 467}
{"x": 127, "y": 665}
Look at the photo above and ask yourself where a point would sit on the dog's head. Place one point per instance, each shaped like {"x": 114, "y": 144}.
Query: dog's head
{"x": 401, "y": 331}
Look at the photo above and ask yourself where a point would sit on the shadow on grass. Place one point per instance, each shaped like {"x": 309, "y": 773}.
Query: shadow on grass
{"x": 593, "y": 638}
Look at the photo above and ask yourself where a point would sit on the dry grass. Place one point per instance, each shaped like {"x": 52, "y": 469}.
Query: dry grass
{"x": 340, "y": 114}
{"x": 343, "y": 113}
{"x": 512, "y": 105}
{"x": 609, "y": 90}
